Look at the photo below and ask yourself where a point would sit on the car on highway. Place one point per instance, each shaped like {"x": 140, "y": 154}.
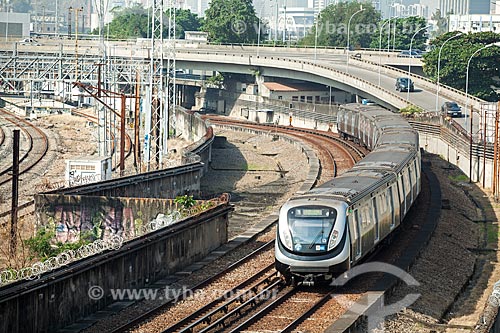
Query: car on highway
{"x": 404, "y": 84}
{"x": 366, "y": 101}
{"x": 451, "y": 109}
{"x": 408, "y": 54}
{"x": 29, "y": 41}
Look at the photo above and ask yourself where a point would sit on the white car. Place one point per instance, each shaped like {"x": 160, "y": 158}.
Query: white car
{"x": 29, "y": 41}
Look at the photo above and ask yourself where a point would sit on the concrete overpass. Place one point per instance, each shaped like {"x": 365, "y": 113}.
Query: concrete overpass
{"x": 324, "y": 66}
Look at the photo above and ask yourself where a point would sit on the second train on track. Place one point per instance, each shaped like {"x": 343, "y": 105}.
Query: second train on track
{"x": 327, "y": 230}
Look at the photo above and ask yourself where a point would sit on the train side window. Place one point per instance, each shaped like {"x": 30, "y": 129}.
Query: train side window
{"x": 365, "y": 217}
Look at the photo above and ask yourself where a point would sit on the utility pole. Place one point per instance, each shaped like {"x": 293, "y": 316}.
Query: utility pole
{"x": 160, "y": 117}
{"x": 95, "y": 92}
{"x": 76, "y": 38}
{"x": 15, "y": 195}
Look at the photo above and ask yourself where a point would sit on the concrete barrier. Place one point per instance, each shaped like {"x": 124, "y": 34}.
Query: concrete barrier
{"x": 64, "y": 296}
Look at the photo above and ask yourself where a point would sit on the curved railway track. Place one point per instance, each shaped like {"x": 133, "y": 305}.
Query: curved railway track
{"x": 335, "y": 154}
{"x": 2, "y": 136}
{"x": 36, "y": 147}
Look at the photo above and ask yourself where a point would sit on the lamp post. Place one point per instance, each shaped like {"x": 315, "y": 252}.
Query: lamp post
{"x": 439, "y": 66}
{"x": 258, "y": 36}
{"x": 409, "y": 63}
{"x": 394, "y": 35}
{"x": 467, "y": 80}
{"x": 284, "y": 22}
{"x": 348, "y": 35}
{"x": 380, "y": 48}
{"x": 316, "y": 38}
{"x": 389, "y": 32}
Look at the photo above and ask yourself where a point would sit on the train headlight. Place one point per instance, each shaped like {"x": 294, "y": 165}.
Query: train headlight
{"x": 286, "y": 237}
{"x": 333, "y": 239}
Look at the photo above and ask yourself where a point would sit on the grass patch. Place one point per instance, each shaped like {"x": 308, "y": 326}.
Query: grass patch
{"x": 253, "y": 167}
{"x": 459, "y": 178}
{"x": 492, "y": 233}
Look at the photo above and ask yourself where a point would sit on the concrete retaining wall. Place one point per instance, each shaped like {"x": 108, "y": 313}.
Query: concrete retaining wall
{"x": 63, "y": 297}
{"x": 73, "y": 215}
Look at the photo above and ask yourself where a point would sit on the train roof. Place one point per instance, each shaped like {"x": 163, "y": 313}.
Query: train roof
{"x": 398, "y": 137}
{"x": 352, "y": 185}
{"x": 384, "y": 159}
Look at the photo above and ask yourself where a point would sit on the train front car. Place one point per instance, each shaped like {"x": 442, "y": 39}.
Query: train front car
{"x": 313, "y": 240}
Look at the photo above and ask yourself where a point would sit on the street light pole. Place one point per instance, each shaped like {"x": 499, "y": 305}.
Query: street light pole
{"x": 439, "y": 66}
{"x": 467, "y": 80}
{"x": 258, "y": 36}
{"x": 409, "y": 63}
{"x": 394, "y": 34}
{"x": 348, "y": 35}
{"x": 316, "y": 38}
{"x": 380, "y": 48}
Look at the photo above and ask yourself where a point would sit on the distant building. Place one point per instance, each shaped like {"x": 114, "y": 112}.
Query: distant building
{"x": 464, "y": 7}
{"x": 295, "y": 21}
{"x": 475, "y": 23}
{"x": 302, "y": 92}
{"x": 14, "y": 25}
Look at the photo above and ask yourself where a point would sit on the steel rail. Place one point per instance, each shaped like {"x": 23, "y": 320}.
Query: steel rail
{"x": 207, "y": 312}
{"x": 44, "y": 149}
{"x": 156, "y": 310}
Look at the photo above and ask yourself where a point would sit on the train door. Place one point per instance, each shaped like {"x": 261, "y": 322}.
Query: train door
{"x": 407, "y": 187}
{"x": 402, "y": 197}
{"x": 376, "y": 218}
{"x": 392, "y": 208}
{"x": 354, "y": 224}
{"x": 417, "y": 172}
{"x": 367, "y": 226}
{"x": 411, "y": 182}
{"x": 355, "y": 124}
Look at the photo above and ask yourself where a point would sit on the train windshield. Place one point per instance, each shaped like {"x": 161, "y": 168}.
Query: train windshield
{"x": 310, "y": 227}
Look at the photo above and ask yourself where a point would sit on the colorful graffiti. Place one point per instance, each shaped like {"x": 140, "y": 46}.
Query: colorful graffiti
{"x": 98, "y": 218}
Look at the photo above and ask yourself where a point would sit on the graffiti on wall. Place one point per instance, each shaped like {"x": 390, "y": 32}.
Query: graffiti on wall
{"x": 71, "y": 222}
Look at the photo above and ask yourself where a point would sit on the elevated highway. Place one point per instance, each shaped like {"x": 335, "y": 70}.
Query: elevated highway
{"x": 54, "y": 60}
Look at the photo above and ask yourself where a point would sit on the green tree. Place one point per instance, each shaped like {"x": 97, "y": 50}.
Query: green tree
{"x": 128, "y": 23}
{"x": 405, "y": 28}
{"x": 186, "y": 21}
{"x": 333, "y": 25}
{"x": 134, "y": 22}
{"x": 231, "y": 21}
{"x": 484, "y": 67}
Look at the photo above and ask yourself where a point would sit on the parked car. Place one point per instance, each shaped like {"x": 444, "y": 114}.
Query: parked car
{"x": 206, "y": 110}
{"x": 29, "y": 41}
{"x": 407, "y": 54}
{"x": 404, "y": 84}
{"x": 451, "y": 109}
{"x": 366, "y": 101}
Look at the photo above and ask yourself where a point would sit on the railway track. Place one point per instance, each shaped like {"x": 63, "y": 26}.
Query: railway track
{"x": 2, "y": 136}
{"x": 223, "y": 311}
{"x": 35, "y": 148}
{"x": 262, "y": 273}
{"x": 335, "y": 154}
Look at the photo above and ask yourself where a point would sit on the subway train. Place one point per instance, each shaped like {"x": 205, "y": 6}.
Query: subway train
{"x": 325, "y": 231}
